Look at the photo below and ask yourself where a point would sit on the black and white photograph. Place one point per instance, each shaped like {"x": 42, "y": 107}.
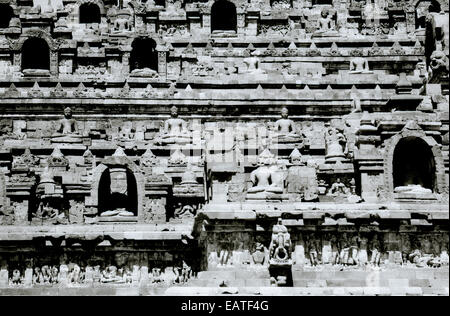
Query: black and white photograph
{"x": 224, "y": 149}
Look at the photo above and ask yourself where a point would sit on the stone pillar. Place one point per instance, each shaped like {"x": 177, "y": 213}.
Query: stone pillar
{"x": 54, "y": 63}
{"x": 240, "y": 24}
{"x": 89, "y": 276}
{"x": 144, "y": 276}
{"x": 162, "y": 63}
{"x": 17, "y": 60}
{"x": 28, "y": 278}
{"x": 206, "y": 21}
{"x": 299, "y": 255}
{"x": 136, "y": 274}
{"x": 4, "y": 278}
{"x": 125, "y": 63}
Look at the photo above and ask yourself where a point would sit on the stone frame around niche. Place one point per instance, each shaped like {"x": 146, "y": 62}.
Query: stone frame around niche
{"x": 76, "y": 10}
{"x": 161, "y": 49}
{"x": 52, "y": 46}
{"x": 92, "y": 201}
{"x": 391, "y": 144}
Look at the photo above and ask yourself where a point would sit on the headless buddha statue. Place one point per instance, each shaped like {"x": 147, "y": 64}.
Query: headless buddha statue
{"x": 252, "y": 64}
{"x": 359, "y": 65}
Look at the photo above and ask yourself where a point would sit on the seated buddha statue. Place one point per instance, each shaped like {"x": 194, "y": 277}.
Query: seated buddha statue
{"x": 326, "y": 25}
{"x": 285, "y": 129}
{"x": 359, "y": 65}
{"x": 67, "y": 131}
{"x": 412, "y": 183}
{"x": 267, "y": 179}
{"x": 252, "y": 64}
{"x": 175, "y": 130}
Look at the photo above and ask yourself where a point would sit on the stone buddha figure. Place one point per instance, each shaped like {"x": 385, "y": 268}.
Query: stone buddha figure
{"x": 359, "y": 65}
{"x": 267, "y": 179}
{"x": 175, "y": 130}
{"x": 326, "y": 24}
{"x": 338, "y": 189}
{"x": 336, "y": 145}
{"x": 252, "y": 64}
{"x": 67, "y": 131}
{"x": 285, "y": 129}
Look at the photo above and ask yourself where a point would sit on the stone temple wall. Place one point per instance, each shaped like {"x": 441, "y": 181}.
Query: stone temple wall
{"x": 168, "y": 137}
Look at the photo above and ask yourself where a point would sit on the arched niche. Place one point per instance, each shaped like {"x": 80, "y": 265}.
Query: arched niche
{"x": 6, "y": 14}
{"x": 144, "y": 54}
{"x": 322, "y": 2}
{"x": 35, "y": 54}
{"x": 443, "y": 4}
{"x": 431, "y": 160}
{"x": 413, "y": 163}
{"x": 223, "y": 16}
{"x": 89, "y": 12}
{"x": 101, "y": 178}
{"x": 422, "y": 8}
{"x": 126, "y": 200}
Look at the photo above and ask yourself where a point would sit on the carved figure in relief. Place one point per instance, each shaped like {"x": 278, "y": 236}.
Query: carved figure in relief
{"x": 336, "y": 145}
{"x": 280, "y": 245}
{"x": 252, "y": 64}
{"x": 344, "y": 246}
{"x": 338, "y": 189}
{"x": 313, "y": 246}
{"x": 359, "y": 65}
{"x": 286, "y": 131}
{"x": 175, "y": 130}
{"x": 354, "y": 249}
{"x": 67, "y": 131}
{"x": 267, "y": 177}
{"x": 16, "y": 278}
{"x": 375, "y": 249}
{"x": 326, "y": 24}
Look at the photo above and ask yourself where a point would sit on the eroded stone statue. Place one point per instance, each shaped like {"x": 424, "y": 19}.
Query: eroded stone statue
{"x": 285, "y": 129}
{"x": 268, "y": 178}
{"x": 336, "y": 145}
{"x": 175, "y": 130}
{"x": 280, "y": 249}
{"x": 252, "y": 64}
{"x": 359, "y": 65}
{"x": 338, "y": 189}
{"x": 326, "y": 24}
{"x": 67, "y": 131}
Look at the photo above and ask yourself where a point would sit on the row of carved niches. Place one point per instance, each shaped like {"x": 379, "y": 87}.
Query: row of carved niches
{"x": 87, "y": 268}
{"x": 266, "y": 158}
{"x": 222, "y": 18}
{"x": 138, "y": 68}
{"x": 343, "y": 248}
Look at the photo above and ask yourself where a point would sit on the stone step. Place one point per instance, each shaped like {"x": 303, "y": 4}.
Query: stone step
{"x": 234, "y": 274}
{"x": 298, "y": 291}
{"x": 229, "y": 283}
{"x": 231, "y": 290}
{"x": 362, "y": 275}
